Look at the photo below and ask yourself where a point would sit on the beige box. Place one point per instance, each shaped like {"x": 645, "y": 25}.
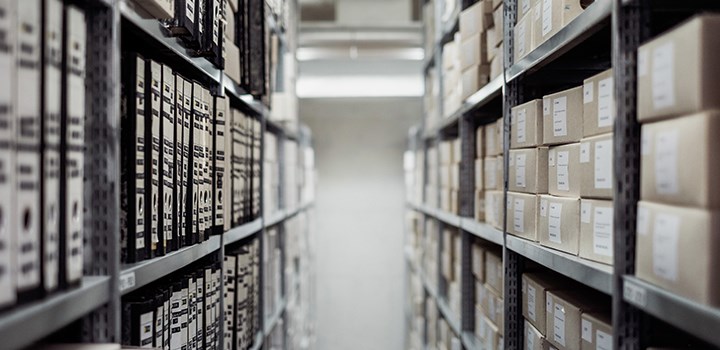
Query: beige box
{"x": 479, "y": 175}
{"x": 524, "y": 6}
{"x": 499, "y": 135}
{"x": 563, "y": 314}
{"x": 528, "y": 170}
{"x": 445, "y": 152}
{"x": 232, "y": 62}
{"x": 491, "y": 179}
{"x": 499, "y": 24}
{"x": 456, "y": 151}
{"x": 562, "y": 116}
{"x": 596, "y": 167}
{"x": 534, "y": 286}
{"x": 478, "y": 262}
{"x": 489, "y": 333}
{"x": 490, "y": 48}
{"x": 533, "y": 339}
{"x": 679, "y": 163}
{"x": 445, "y": 176}
{"x": 447, "y": 266}
{"x": 537, "y": 21}
{"x": 454, "y": 176}
{"x": 479, "y": 206}
{"x": 596, "y": 331}
{"x": 523, "y": 35}
{"x": 527, "y": 125}
{"x": 499, "y": 172}
{"x": 454, "y": 204}
{"x": 522, "y": 215}
{"x": 445, "y": 199}
{"x": 473, "y": 79}
{"x": 559, "y": 224}
{"x": 556, "y": 14}
{"x": 494, "y": 208}
{"x": 481, "y": 295}
{"x": 479, "y": 142}
{"x": 564, "y": 178}
{"x": 496, "y": 65}
{"x": 160, "y": 9}
{"x": 475, "y": 19}
{"x": 677, "y": 249}
{"x": 473, "y": 52}
{"x": 494, "y": 270}
{"x": 598, "y": 104}
{"x": 491, "y": 142}
{"x": 493, "y": 310}
{"x": 677, "y": 71}
{"x": 596, "y": 230}
{"x": 450, "y": 55}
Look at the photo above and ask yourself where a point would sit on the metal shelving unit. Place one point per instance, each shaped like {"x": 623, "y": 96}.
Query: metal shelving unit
{"x": 241, "y": 232}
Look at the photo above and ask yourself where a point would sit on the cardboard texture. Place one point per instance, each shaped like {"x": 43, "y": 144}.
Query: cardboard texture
{"x": 596, "y": 230}
{"x": 564, "y": 178}
{"x": 473, "y": 51}
{"x": 598, "y": 104}
{"x": 527, "y": 125}
{"x": 563, "y": 315}
{"x": 596, "y": 167}
{"x": 596, "y": 331}
{"x": 494, "y": 208}
{"x": 494, "y": 271}
{"x": 559, "y": 224}
{"x": 556, "y": 14}
{"x": 522, "y": 215}
{"x": 476, "y": 18}
{"x": 523, "y": 33}
{"x": 474, "y": 78}
{"x": 534, "y": 286}
{"x": 528, "y": 170}
{"x": 562, "y": 116}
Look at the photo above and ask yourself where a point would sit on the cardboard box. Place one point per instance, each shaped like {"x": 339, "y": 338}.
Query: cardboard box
{"x": 494, "y": 270}
{"x": 536, "y": 14}
{"x": 490, "y": 334}
{"x": 596, "y": 331}
{"x": 445, "y": 199}
{"x": 445, "y": 176}
{"x": 596, "y": 167}
{"x": 678, "y": 161}
{"x": 454, "y": 203}
{"x": 677, "y": 249}
{"x": 527, "y": 125}
{"x": 493, "y": 310}
{"x": 598, "y": 104}
{"x": 494, "y": 208}
{"x": 493, "y": 145}
{"x": 556, "y": 14}
{"x": 490, "y": 42}
{"x": 454, "y": 176}
{"x": 528, "y": 170}
{"x": 479, "y": 142}
{"x": 533, "y": 339}
{"x": 475, "y": 19}
{"x": 473, "y": 79}
{"x": 232, "y": 63}
{"x": 564, "y": 170}
{"x": 499, "y": 24}
{"x": 563, "y": 116}
{"x": 490, "y": 167}
{"x": 445, "y": 152}
{"x": 677, "y": 71}
{"x": 563, "y": 315}
{"x": 496, "y": 65}
{"x": 456, "y": 151}
{"x": 478, "y": 262}
{"x": 559, "y": 224}
{"x": 499, "y": 173}
{"x": 481, "y": 294}
{"x": 473, "y": 52}
{"x": 596, "y": 230}
{"x": 450, "y": 55}
{"x": 479, "y": 175}
{"x": 496, "y": 3}
{"x": 524, "y": 6}
{"x": 534, "y": 286}
{"x": 479, "y": 206}
{"x": 500, "y": 135}
{"x": 523, "y": 37}
{"x": 522, "y": 215}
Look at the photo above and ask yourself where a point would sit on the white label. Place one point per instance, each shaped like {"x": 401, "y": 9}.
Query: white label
{"x": 563, "y": 171}
{"x": 646, "y": 141}
{"x": 127, "y": 280}
{"x": 560, "y": 116}
{"x": 543, "y": 207}
{"x": 521, "y": 38}
{"x": 666, "y": 150}
{"x": 585, "y": 212}
{"x": 585, "y": 152}
{"x": 642, "y": 63}
{"x": 587, "y": 331}
{"x": 665, "y": 243}
{"x": 547, "y": 17}
{"x": 520, "y": 170}
{"x": 537, "y": 13}
{"x": 146, "y": 329}
{"x": 663, "y": 76}
{"x": 519, "y": 215}
{"x": 525, "y": 6}
{"x": 546, "y": 106}
{"x": 643, "y": 221}
{"x": 603, "y": 341}
{"x": 554, "y": 222}
{"x": 531, "y": 302}
{"x": 588, "y": 92}
{"x": 530, "y": 339}
{"x": 559, "y": 324}
{"x": 521, "y": 121}
{"x": 634, "y": 294}
{"x": 190, "y": 11}
{"x": 605, "y": 103}
{"x": 551, "y": 157}
{"x": 603, "y": 231}
{"x": 603, "y": 164}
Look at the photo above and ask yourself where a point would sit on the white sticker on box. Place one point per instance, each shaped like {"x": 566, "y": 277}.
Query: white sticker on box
{"x": 537, "y": 13}
{"x": 520, "y": 29}
{"x": 588, "y": 92}
{"x": 563, "y": 171}
{"x": 560, "y": 116}
{"x": 546, "y": 106}
{"x": 587, "y": 331}
{"x": 603, "y": 341}
{"x": 521, "y": 127}
{"x": 531, "y": 302}
{"x": 543, "y": 207}
{"x": 605, "y": 103}
{"x": 666, "y": 151}
{"x": 603, "y": 231}
{"x": 554, "y": 222}
{"x": 646, "y": 141}
{"x": 603, "y": 164}
{"x": 643, "y": 221}
{"x": 585, "y": 152}
{"x": 551, "y": 157}
{"x": 530, "y": 339}
{"x": 666, "y": 230}
{"x": 547, "y": 17}
{"x": 559, "y": 324}
{"x": 525, "y": 6}
{"x": 519, "y": 215}
{"x": 663, "y": 76}
{"x": 642, "y": 62}
{"x": 585, "y": 212}
{"x": 520, "y": 170}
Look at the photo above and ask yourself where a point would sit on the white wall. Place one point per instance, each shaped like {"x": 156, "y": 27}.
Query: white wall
{"x": 359, "y": 145}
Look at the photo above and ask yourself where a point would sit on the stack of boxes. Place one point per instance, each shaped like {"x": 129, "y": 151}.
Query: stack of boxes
{"x": 416, "y": 334}
{"x": 447, "y": 339}
{"x": 429, "y": 258}
{"x": 564, "y": 315}
{"x": 451, "y": 267}
{"x": 452, "y": 76}
{"x": 487, "y": 270}
{"x": 431, "y": 187}
{"x": 677, "y": 219}
{"x": 449, "y": 175}
{"x": 538, "y": 20}
{"x": 271, "y": 174}
{"x": 495, "y": 40}
{"x": 477, "y": 46}
{"x": 432, "y": 92}
{"x": 491, "y": 136}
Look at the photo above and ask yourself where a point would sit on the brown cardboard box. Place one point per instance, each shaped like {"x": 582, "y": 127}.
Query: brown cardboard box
{"x": 596, "y": 167}
{"x": 494, "y": 208}
{"x": 496, "y": 65}
{"x": 677, "y": 70}
{"x": 596, "y": 331}
{"x": 596, "y": 230}
{"x": 494, "y": 270}
{"x": 490, "y": 41}
{"x": 533, "y": 339}
{"x": 679, "y": 163}
{"x": 479, "y": 174}
{"x": 475, "y": 19}
{"x": 523, "y": 37}
{"x": 490, "y": 167}
{"x": 478, "y": 262}
{"x": 564, "y": 178}
{"x": 527, "y": 125}
{"x": 598, "y": 104}
{"x": 491, "y": 139}
{"x": 522, "y": 215}
{"x": 479, "y": 142}
{"x": 499, "y": 24}
{"x": 556, "y": 14}
{"x": 563, "y": 315}
{"x": 537, "y": 28}
{"x": 559, "y": 224}
{"x": 493, "y": 309}
{"x": 473, "y": 79}
{"x": 479, "y": 206}
{"x": 534, "y": 286}
{"x": 473, "y": 52}
{"x": 499, "y": 171}
{"x": 481, "y": 294}
{"x": 528, "y": 170}
{"x": 562, "y": 116}
{"x": 677, "y": 249}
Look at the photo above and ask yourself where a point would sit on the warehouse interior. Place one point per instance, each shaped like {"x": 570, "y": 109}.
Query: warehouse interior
{"x": 359, "y": 174}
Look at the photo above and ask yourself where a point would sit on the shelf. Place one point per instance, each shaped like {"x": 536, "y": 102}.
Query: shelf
{"x": 272, "y": 321}
{"x": 273, "y": 125}
{"x": 26, "y": 324}
{"x": 448, "y": 218}
{"x": 592, "y": 274}
{"x": 242, "y": 231}
{"x": 232, "y": 88}
{"x": 587, "y": 23}
{"x": 258, "y": 341}
{"x": 699, "y": 320}
{"x": 153, "y": 29}
{"x": 134, "y": 276}
{"x": 452, "y": 320}
{"x": 482, "y": 230}
{"x": 471, "y": 342}
{"x": 284, "y": 214}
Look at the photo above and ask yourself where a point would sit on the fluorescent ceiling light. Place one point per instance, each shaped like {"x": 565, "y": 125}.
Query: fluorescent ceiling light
{"x": 355, "y": 52}
{"x": 360, "y": 86}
